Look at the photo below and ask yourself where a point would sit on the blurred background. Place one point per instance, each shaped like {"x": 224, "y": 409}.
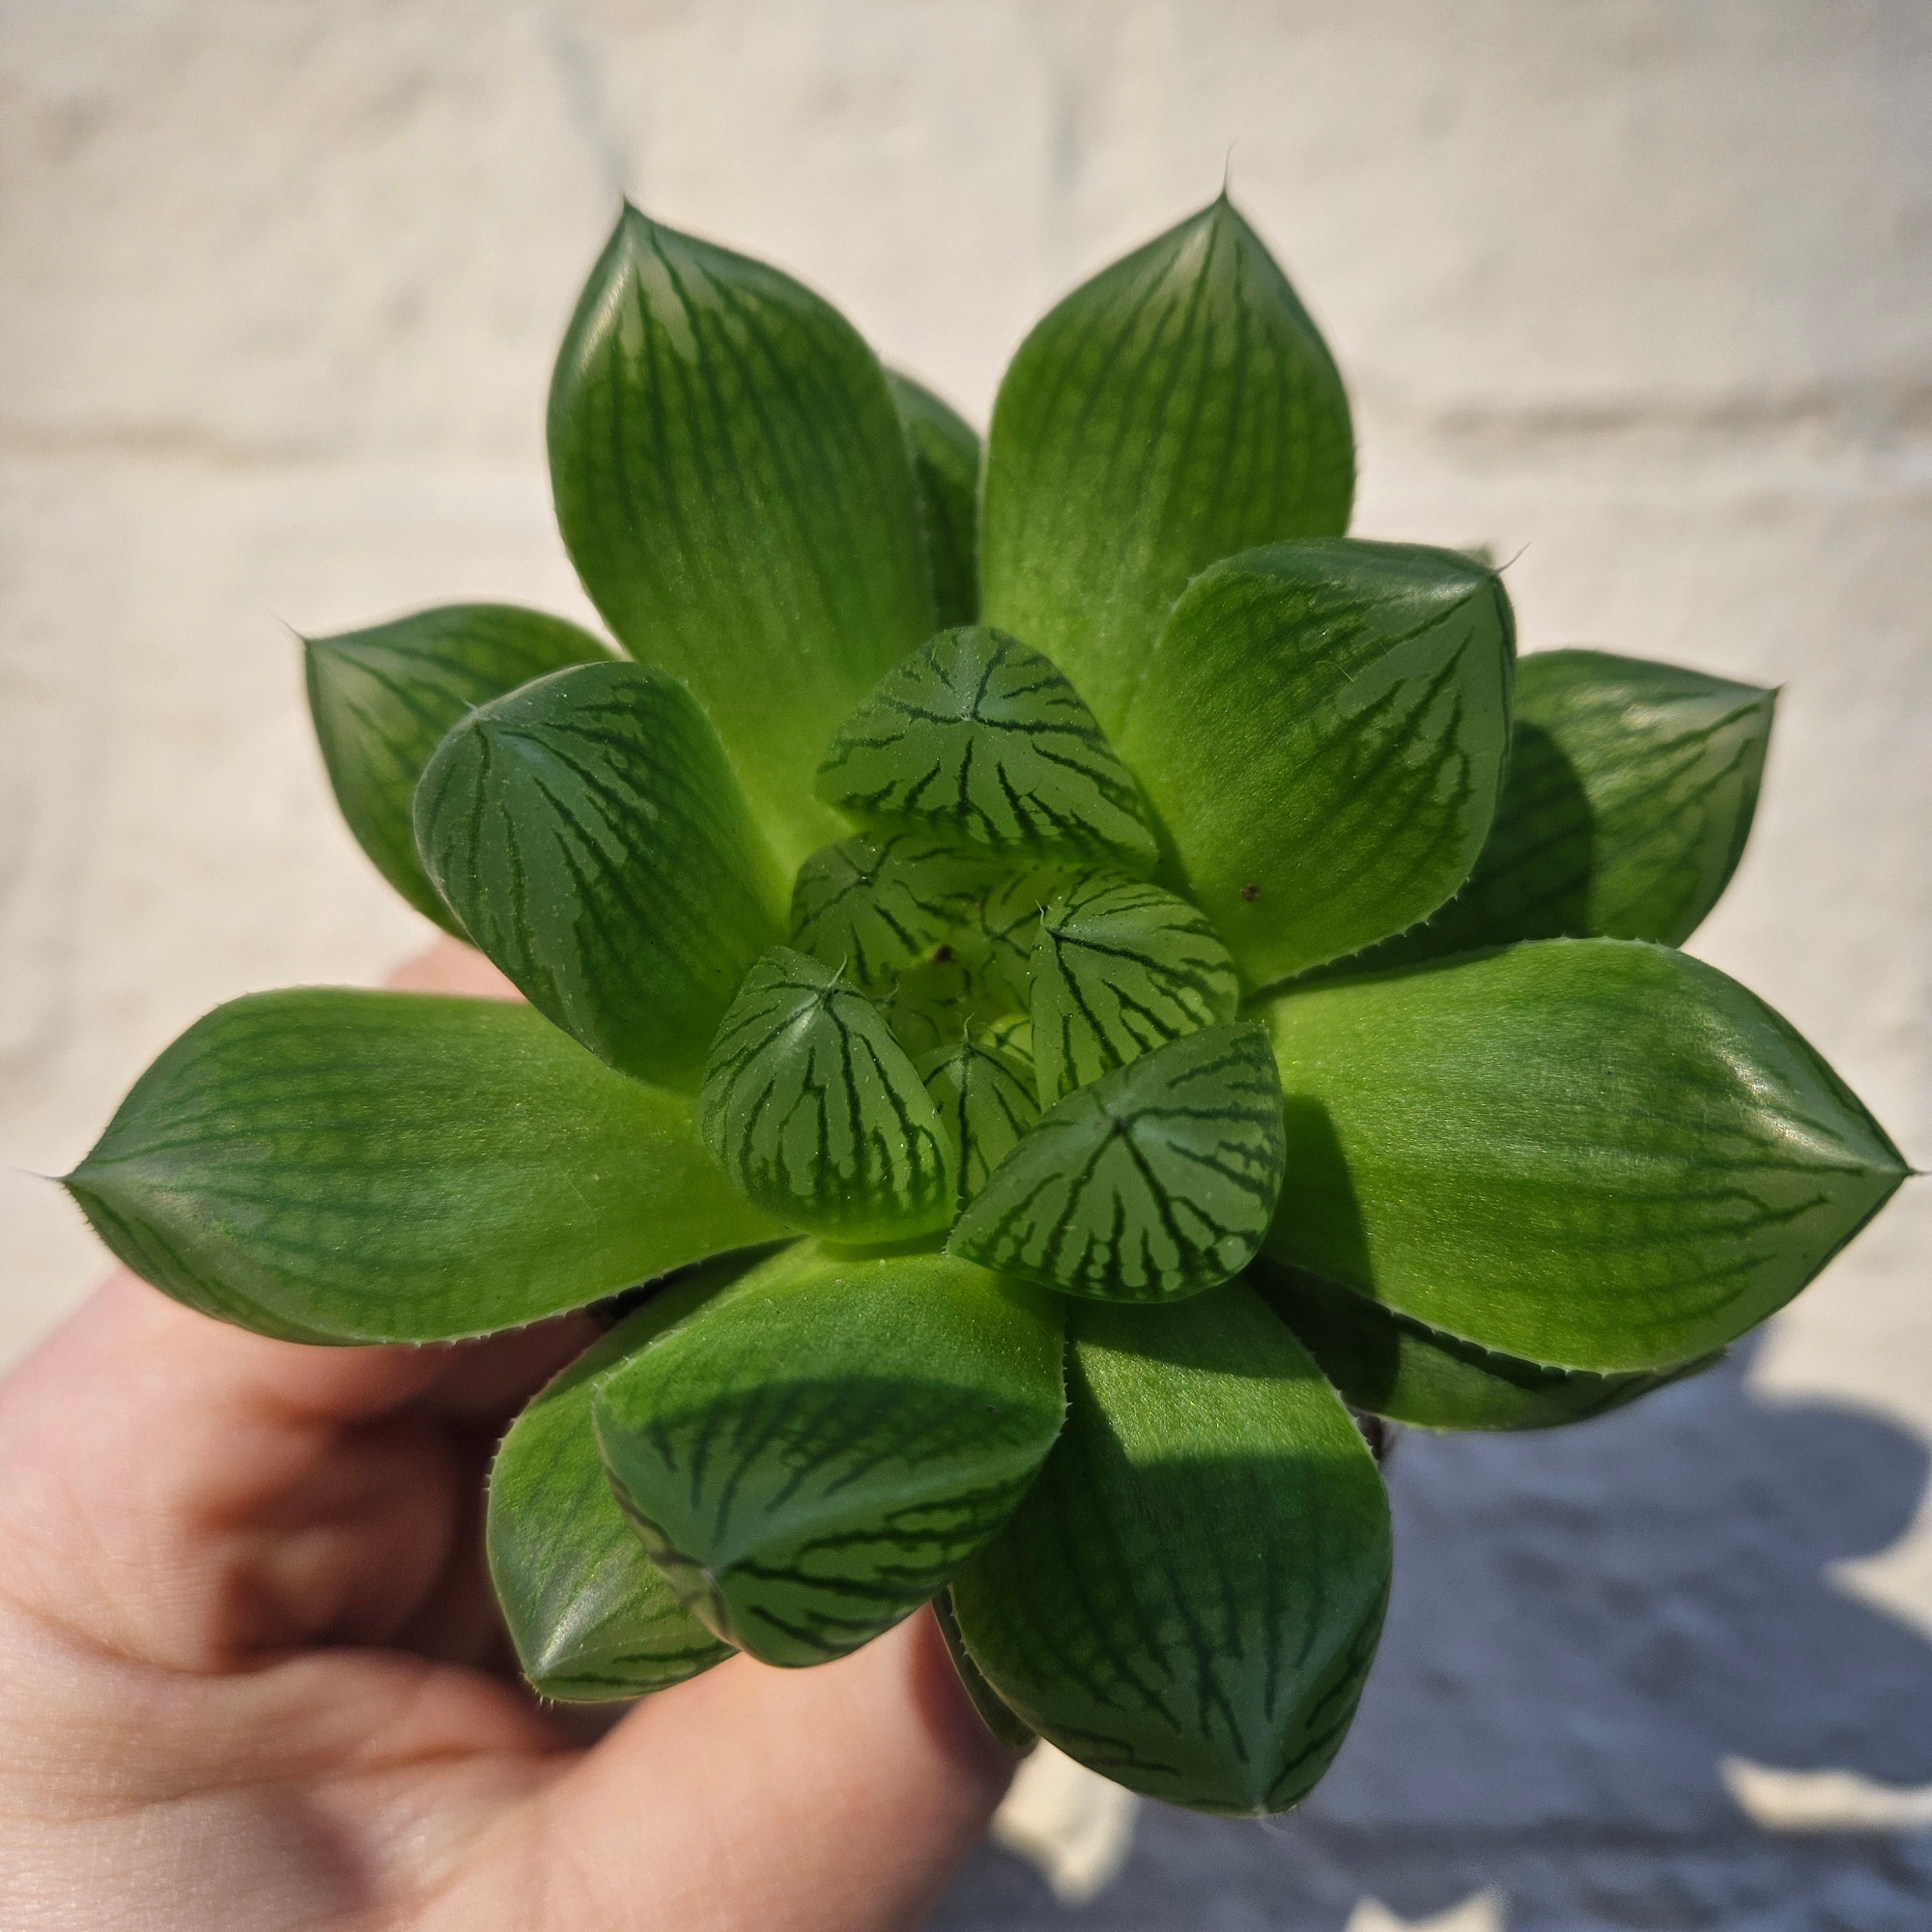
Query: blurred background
{"x": 1639, "y": 292}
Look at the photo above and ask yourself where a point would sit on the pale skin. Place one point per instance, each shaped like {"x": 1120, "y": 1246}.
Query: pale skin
{"x": 251, "y": 1678}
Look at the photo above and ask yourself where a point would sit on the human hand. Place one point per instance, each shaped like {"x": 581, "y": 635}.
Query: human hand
{"x": 251, "y": 1676}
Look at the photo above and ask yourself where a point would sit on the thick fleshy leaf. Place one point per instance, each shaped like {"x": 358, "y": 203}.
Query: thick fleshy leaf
{"x": 810, "y": 1458}
{"x": 936, "y": 937}
{"x": 592, "y": 1617}
{"x": 592, "y": 840}
{"x": 994, "y": 1714}
{"x": 976, "y": 737}
{"x": 1321, "y": 732}
{"x": 815, "y": 1111}
{"x": 1189, "y": 1599}
{"x": 1178, "y": 408}
{"x": 983, "y": 1088}
{"x": 1119, "y": 967}
{"x": 377, "y": 1167}
{"x": 945, "y": 472}
{"x": 1388, "y": 1364}
{"x": 1629, "y": 796}
{"x": 735, "y": 488}
{"x": 1155, "y": 1182}
{"x": 381, "y": 699}
{"x": 1591, "y": 1154}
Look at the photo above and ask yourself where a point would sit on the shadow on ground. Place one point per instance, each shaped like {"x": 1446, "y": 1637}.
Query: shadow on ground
{"x": 1584, "y": 1624}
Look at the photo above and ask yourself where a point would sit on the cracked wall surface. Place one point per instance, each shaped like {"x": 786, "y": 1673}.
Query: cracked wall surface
{"x": 1639, "y": 292}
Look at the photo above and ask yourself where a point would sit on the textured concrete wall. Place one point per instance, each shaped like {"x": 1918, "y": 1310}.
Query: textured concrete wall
{"x": 1641, "y": 288}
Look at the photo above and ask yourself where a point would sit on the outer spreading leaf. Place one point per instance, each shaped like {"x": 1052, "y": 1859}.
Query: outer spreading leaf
{"x": 1630, "y": 791}
{"x": 978, "y": 738}
{"x": 592, "y": 1617}
{"x": 382, "y": 698}
{"x": 735, "y": 489}
{"x": 1119, "y": 967}
{"x": 1154, "y": 1182}
{"x": 1590, "y": 1154}
{"x": 1321, "y": 731}
{"x": 1178, "y": 407}
{"x": 814, "y": 1110}
{"x": 809, "y": 1459}
{"x": 1388, "y": 1364}
{"x": 590, "y": 836}
{"x": 369, "y": 1167}
{"x": 1188, "y": 1599}
{"x": 983, "y": 1085}
{"x": 946, "y": 473}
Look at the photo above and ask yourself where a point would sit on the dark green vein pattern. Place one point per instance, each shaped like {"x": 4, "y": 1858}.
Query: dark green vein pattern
{"x": 590, "y": 836}
{"x": 1178, "y": 408}
{"x": 735, "y": 488}
{"x": 993, "y": 1713}
{"x": 1119, "y": 968}
{"x": 1321, "y": 732}
{"x": 814, "y": 1109}
{"x": 1592, "y": 1153}
{"x": 381, "y": 699}
{"x": 976, "y": 736}
{"x": 1156, "y": 1182}
{"x": 945, "y": 472}
{"x": 809, "y": 1459}
{"x": 1188, "y": 1600}
{"x": 592, "y": 1617}
{"x": 1390, "y": 1364}
{"x": 983, "y": 1085}
{"x": 373, "y": 1167}
{"x": 1630, "y": 792}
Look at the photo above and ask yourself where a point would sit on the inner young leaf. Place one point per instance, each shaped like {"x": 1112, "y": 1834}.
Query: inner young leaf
{"x": 814, "y": 1109}
{"x": 980, "y": 738}
{"x": 1119, "y": 968}
{"x": 1156, "y": 1181}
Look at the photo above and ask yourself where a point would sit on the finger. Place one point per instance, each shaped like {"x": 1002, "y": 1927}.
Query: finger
{"x": 189, "y": 1493}
{"x": 835, "y": 1799}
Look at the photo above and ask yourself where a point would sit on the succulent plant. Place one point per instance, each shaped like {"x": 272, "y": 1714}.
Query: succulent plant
{"x": 1051, "y": 977}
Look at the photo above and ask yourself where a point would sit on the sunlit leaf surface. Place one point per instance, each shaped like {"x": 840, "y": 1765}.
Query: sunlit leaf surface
{"x": 1189, "y": 1599}
{"x": 810, "y": 1458}
{"x": 983, "y": 1088}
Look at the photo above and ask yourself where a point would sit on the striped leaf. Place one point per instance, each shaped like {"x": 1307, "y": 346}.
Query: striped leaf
{"x": 983, "y": 1086}
{"x": 590, "y": 835}
{"x": 1321, "y": 731}
{"x": 381, "y": 699}
{"x": 1630, "y": 792}
{"x": 398, "y": 1167}
{"x": 945, "y": 474}
{"x": 935, "y": 936}
{"x": 1119, "y": 968}
{"x": 735, "y": 488}
{"x": 1178, "y": 408}
{"x": 1388, "y": 1364}
{"x": 1189, "y": 1599}
{"x": 814, "y": 1110}
{"x": 975, "y": 737}
{"x": 592, "y": 1616}
{"x": 1590, "y": 1154}
{"x": 1156, "y": 1182}
{"x": 809, "y": 1459}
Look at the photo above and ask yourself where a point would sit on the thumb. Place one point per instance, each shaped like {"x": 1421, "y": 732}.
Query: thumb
{"x": 836, "y": 1799}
